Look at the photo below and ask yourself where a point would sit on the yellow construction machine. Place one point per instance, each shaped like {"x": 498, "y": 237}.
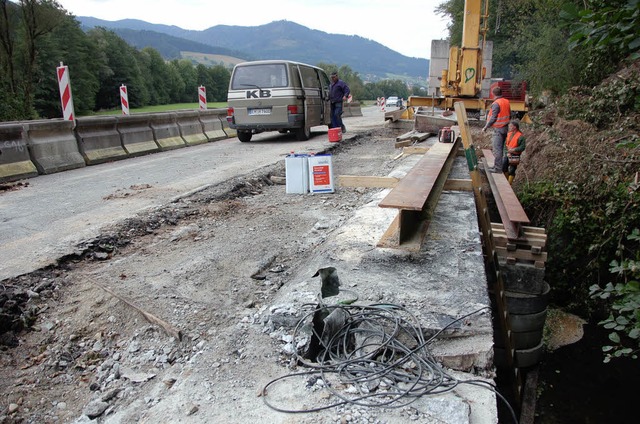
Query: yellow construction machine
{"x": 462, "y": 81}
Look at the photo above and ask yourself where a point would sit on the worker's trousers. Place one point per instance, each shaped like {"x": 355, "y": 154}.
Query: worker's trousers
{"x": 498, "y": 140}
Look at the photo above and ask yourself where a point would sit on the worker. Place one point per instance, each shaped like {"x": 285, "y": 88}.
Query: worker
{"x": 498, "y": 118}
{"x": 514, "y": 146}
{"x": 338, "y": 93}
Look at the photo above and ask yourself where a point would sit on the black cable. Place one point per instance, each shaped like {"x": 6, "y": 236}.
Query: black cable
{"x": 380, "y": 343}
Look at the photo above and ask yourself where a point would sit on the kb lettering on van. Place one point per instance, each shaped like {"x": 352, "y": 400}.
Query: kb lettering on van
{"x": 254, "y": 94}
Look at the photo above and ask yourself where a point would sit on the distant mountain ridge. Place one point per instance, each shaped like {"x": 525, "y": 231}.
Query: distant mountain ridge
{"x": 278, "y": 39}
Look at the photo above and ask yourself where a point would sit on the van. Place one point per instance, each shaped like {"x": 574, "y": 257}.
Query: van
{"x": 277, "y": 95}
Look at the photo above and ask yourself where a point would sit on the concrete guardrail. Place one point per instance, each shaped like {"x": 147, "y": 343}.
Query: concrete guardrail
{"x": 53, "y": 146}
{"x": 136, "y": 135}
{"x": 30, "y": 148}
{"x": 99, "y": 140}
{"x": 190, "y": 127}
{"x": 212, "y": 123}
{"x": 352, "y": 109}
{"x": 166, "y": 131}
{"x": 15, "y": 162}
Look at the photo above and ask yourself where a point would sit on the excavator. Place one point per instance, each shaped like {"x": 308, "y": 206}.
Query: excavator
{"x": 462, "y": 81}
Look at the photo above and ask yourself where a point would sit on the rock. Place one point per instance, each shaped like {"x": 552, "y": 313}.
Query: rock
{"x": 13, "y": 407}
{"x": 95, "y": 408}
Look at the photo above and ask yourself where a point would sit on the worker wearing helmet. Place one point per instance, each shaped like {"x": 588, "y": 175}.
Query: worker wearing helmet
{"x": 514, "y": 146}
{"x": 498, "y": 118}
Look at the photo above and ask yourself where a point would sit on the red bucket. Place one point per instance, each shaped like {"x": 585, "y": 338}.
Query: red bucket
{"x": 335, "y": 135}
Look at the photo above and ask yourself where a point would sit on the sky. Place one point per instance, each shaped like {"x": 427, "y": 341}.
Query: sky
{"x": 404, "y": 26}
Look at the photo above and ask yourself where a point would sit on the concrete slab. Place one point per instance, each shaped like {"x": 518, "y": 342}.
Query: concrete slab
{"x": 441, "y": 283}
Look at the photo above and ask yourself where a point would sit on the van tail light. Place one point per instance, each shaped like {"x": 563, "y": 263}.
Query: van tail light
{"x": 230, "y": 115}
{"x": 292, "y": 109}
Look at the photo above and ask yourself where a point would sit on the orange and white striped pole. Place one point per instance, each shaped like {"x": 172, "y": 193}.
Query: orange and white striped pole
{"x": 66, "y": 98}
{"x": 124, "y": 99}
{"x": 202, "y": 97}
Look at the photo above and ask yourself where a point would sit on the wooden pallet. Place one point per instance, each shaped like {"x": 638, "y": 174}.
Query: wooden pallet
{"x": 529, "y": 247}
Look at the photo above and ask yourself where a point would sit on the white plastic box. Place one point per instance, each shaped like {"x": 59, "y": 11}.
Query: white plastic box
{"x": 297, "y": 173}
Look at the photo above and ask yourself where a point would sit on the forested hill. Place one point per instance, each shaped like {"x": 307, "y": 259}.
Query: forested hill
{"x": 279, "y": 39}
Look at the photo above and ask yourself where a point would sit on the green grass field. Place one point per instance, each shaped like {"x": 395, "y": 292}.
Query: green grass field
{"x": 165, "y": 108}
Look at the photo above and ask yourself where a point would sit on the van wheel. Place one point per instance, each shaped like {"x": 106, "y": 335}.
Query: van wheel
{"x": 303, "y": 134}
{"x": 244, "y": 136}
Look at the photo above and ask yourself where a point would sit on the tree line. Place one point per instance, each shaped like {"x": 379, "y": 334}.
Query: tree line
{"x": 551, "y": 44}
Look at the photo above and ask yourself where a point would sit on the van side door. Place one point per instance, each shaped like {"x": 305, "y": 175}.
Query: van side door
{"x": 313, "y": 95}
{"x": 326, "y": 102}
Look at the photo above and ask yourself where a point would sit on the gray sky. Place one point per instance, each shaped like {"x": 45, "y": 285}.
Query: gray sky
{"x": 405, "y": 26}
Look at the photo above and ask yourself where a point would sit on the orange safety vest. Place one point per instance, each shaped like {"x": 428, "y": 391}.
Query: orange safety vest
{"x": 512, "y": 140}
{"x": 504, "y": 115}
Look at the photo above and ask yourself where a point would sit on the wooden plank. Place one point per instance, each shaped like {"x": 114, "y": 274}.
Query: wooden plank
{"x": 458, "y": 185}
{"x": 415, "y": 150}
{"x": 515, "y": 211}
{"x": 414, "y": 189}
{"x": 367, "y": 181}
{"x": 521, "y": 254}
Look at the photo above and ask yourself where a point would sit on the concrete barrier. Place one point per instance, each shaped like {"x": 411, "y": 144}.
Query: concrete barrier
{"x": 136, "y": 134}
{"x": 190, "y": 127}
{"x": 166, "y": 131}
{"x": 225, "y": 126}
{"x": 99, "y": 140}
{"x": 53, "y": 146}
{"x": 352, "y": 109}
{"x": 15, "y": 162}
{"x": 212, "y": 124}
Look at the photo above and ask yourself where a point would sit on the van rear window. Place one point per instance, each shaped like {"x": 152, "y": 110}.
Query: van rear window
{"x": 260, "y": 76}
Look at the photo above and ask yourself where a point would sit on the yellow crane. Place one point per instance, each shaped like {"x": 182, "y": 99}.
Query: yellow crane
{"x": 462, "y": 81}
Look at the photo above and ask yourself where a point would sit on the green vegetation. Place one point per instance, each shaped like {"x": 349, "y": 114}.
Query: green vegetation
{"x": 586, "y": 192}
{"x": 624, "y": 317}
{"x": 37, "y": 35}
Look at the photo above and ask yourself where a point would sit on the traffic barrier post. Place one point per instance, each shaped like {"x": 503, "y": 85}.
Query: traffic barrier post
{"x": 202, "y": 97}
{"x": 66, "y": 98}
{"x": 124, "y": 99}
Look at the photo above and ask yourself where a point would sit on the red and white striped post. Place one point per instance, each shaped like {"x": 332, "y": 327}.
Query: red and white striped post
{"x": 202, "y": 97}
{"x": 383, "y": 103}
{"x": 124, "y": 99}
{"x": 65, "y": 92}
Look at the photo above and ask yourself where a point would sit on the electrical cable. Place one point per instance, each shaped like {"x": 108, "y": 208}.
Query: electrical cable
{"x": 380, "y": 353}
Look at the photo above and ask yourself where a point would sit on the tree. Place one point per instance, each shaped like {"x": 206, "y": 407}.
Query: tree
{"x": 121, "y": 67}
{"x": 68, "y": 44}
{"x": 40, "y": 17}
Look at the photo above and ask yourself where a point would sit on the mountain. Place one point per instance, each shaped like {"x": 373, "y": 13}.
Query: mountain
{"x": 278, "y": 39}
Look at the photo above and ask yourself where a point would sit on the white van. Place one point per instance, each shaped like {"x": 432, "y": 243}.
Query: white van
{"x": 277, "y": 95}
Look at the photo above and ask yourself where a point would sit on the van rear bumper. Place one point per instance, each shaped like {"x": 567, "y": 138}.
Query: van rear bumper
{"x": 294, "y": 121}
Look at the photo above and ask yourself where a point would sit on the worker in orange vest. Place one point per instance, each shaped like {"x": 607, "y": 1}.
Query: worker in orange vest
{"x": 498, "y": 118}
{"x": 515, "y": 144}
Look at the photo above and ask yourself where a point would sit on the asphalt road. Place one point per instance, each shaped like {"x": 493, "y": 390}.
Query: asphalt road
{"x": 48, "y": 218}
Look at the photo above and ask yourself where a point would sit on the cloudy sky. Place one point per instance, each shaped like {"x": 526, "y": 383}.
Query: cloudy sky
{"x": 406, "y": 26}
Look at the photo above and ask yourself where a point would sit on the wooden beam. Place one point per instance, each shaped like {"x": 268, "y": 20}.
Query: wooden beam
{"x": 416, "y": 197}
{"x": 458, "y": 185}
